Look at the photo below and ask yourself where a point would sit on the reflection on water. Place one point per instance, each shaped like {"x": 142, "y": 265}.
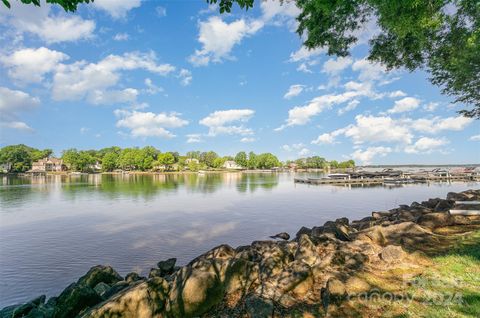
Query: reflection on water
{"x": 21, "y": 190}
{"x": 54, "y": 228}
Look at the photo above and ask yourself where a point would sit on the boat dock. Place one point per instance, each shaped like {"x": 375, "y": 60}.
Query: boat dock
{"x": 390, "y": 177}
{"x": 339, "y": 181}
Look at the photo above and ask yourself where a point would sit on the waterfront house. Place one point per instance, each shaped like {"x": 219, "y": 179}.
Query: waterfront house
{"x": 5, "y": 167}
{"x": 48, "y": 164}
{"x": 187, "y": 161}
{"x": 230, "y": 164}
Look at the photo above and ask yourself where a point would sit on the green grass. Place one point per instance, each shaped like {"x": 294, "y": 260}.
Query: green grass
{"x": 449, "y": 287}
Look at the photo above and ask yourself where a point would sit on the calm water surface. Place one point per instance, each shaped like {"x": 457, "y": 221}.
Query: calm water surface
{"x": 53, "y": 229}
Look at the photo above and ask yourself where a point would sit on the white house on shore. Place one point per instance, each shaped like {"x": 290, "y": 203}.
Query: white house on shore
{"x": 230, "y": 164}
{"x": 48, "y": 164}
{"x": 192, "y": 160}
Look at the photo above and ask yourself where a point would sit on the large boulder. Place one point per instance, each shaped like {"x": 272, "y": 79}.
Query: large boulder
{"x": 74, "y": 299}
{"x": 392, "y": 253}
{"x": 23, "y": 310}
{"x": 100, "y": 273}
{"x": 195, "y": 291}
{"x": 434, "y": 220}
{"x": 444, "y": 205}
{"x": 307, "y": 251}
{"x": 167, "y": 267}
{"x": 334, "y": 291}
{"x": 143, "y": 299}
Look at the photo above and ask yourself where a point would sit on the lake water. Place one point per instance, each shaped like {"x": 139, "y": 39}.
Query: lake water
{"x": 53, "y": 229}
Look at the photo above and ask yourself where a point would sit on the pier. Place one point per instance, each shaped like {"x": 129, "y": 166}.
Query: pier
{"x": 406, "y": 179}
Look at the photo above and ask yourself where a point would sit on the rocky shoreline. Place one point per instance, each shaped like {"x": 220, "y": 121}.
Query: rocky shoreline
{"x": 319, "y": 268}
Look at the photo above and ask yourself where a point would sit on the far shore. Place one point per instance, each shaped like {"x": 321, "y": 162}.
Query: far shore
{"x": 68, "y": 173}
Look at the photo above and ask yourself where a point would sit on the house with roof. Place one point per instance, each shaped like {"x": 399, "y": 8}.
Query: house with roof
{"x": 230, "y": 164}
{"x": 48, "y": 164}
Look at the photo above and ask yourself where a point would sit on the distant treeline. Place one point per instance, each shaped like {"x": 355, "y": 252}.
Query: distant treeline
{"x": 19, "y": 158}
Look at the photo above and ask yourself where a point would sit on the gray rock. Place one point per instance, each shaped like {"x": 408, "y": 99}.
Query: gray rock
{"x": 116, "y": 289}
{"x": 434, "y": 220}
{"x": 259, "y": 307}
{"x": 100, "y": 273}
{"x": 283, "y": 235}
{"x": 392, "y": 253}
{"x": 101, "y": 288}
{"x": 132, "y": 277}
{"x": 444, "y": 205}
{"x": 303, "y": 230}
{"x": 167, "y": 267}
{"x": 74, "y": 299}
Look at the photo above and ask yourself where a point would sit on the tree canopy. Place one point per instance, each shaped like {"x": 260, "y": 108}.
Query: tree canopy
{"x": 67, "y": 5}
{"x": 439, "y": 36}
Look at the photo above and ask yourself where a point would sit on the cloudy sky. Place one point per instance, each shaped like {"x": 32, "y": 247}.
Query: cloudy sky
{"x": 178, "y": 76}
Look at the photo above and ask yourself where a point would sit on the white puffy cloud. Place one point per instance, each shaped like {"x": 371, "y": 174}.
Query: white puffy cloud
{"x": 437, "y": 124}
{"x": 30, "y": 65}
{"x": 280, "y": 12}
{"x": 404, "y": 105}
{"x": 12, "y": 104}
{"x": 328, "y": 138}
{"x": 426, "y": 145}
{"x": 247, "y": 139}
{"x": 121, "y": 37}
{"x": 194, "y": 138}
{"x": 294, "y": 90}
{"x": 219, "y": 37}
{"x": 305, "y": 54}
{"x": 185, "y": 77}
{"x": 377, "y": 129}
{"x": 49, "y": 27}
{"x": 89, "y": 80}
{"x": 366, "y": 156}
{"x": 301, "y": 115}
{"x": 369, "y": 71}
{"x": 117, "y": 8}
{"x": 148, "y": 124}
{"x": 350, "y": 106}
{"x": 430, "y": 107}
{"x": 335, "y": 66}
{"x": 14, "y": 101}
{"x": 304, "y": 152}
{"x": 397, "y": 93}
{"x": 151, "y": 87}
{"x": 17, "y": 125}
{"x": 228, "y": 122}
{"x": 475, "y": 138}
{"x": 109, "y": 97}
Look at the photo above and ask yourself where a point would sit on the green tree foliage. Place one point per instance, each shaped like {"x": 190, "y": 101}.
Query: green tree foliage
{"x": 226, "y": 5}
{"x": 267, "y": 161}
{"x": 207, "y": 158}
{"x": 67, "y": 5}
{"x": 241, "y": 159}
{"x": 252, "y": 160}
{"x": 193, "y": 166}
{"x": 218, "y": 162}
{"x": 79, "y": 160}
{"x": 166, "y": 159}
{"x": 20, "y": 157}
{"x": 440, "y": 36}
{"x": 109, "y": 161}
{"x": 193, "y": 155}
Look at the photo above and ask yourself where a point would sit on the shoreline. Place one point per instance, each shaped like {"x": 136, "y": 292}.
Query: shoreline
{"x": 318, "y": 266}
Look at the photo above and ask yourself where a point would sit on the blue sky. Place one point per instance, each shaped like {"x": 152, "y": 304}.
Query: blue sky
{"x": 178, "y": 76}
